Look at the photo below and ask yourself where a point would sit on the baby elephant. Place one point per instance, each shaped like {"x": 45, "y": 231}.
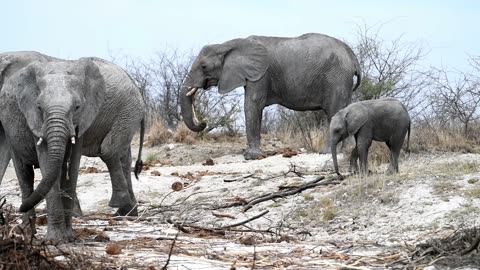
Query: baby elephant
{"x": 384, "y": 120}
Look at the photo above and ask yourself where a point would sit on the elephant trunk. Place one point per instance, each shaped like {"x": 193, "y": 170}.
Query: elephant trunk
{"x": 333, "y": 145}
{"x": 188, "y": 111}
{"x": 57, "y": 133}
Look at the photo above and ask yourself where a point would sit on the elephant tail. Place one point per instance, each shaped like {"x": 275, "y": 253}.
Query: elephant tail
{"x": 139, "y": 163}
{"x": 408, "y": 138}
{"x": 357, "y": 73}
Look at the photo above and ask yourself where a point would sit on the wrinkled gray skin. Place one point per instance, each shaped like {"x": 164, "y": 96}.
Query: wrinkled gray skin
{"x": 90, "y": 100}
{"x": 384, "y": 120}
{"x": 309, "y": 72}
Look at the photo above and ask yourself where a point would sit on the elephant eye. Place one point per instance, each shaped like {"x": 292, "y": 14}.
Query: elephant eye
{"x": 77, "y": 107}
{"x": 204, "y": 67}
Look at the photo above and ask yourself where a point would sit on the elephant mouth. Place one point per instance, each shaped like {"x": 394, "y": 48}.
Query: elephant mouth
{"x": 209, "y": 82}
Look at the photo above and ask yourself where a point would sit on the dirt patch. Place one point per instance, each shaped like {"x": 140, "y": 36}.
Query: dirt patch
{"x": 380, "y": 221}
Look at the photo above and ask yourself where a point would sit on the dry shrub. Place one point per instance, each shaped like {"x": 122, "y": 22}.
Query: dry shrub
{"x": 224, "y": 137}
{"x": 20, "y": 251}
{"x": 184, "y": 135}
{"x": 428, "y": 139}
{"x": 158, "y": 133}
{"x": 314, "y": 139}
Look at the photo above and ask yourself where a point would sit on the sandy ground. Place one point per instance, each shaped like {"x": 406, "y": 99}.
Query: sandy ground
{"x": 359, "y": 223}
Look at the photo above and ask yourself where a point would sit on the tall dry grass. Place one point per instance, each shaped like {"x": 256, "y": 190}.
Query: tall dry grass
{"x": 424, "y": 139}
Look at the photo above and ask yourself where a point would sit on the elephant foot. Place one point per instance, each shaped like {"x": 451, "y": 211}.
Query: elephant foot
{"x": 59, "y": 236}
{"x": 253, "y": 153}
{"x": 131, "y": 211}
{"x": 391, "y": 171}
{"x": 119, "y": 198}
{"x": 353, "y": 169}
{"x": 77, "y": 210}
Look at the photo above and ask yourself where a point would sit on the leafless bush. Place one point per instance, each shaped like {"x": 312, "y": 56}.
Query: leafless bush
{"x": 455, "y": 99}
{"x": 221, "y": 112}
{"x": 301, "y": 129}
{"x": 390, "y": 68}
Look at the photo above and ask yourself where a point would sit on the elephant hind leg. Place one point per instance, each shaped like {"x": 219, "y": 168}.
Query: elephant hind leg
{"x": 394, "y": 156}
{"x": 120, "y": 195}
{"x": 128, "y": 210}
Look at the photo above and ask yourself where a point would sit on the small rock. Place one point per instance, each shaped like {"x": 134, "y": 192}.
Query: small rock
{"x": 102, "y": 237}
{"x": 208, "y": 162}
{"x": 155, "y": 173}
{"x": 113, "y": 249}
{"x": 177, "y": 186}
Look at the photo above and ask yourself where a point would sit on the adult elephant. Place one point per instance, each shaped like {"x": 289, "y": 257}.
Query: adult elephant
{"x": 54, "y": 112}
{"x": 10, "y": 63}
{"x": 309, "y": 72}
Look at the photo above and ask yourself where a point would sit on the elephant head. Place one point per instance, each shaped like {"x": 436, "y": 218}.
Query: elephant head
{"x": 59, "y": 100}
{"x": 229, "y": 65}
{"x": 344, "y": 123}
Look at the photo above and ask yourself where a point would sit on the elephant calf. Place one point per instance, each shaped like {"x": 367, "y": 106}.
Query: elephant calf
{"x": 384, "y": 120}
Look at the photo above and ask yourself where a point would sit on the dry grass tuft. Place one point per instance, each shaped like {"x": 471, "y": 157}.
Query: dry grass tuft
{"x": 427, "y": 139}
{"x": 313, "y": 140}
{"x": 184, "y": 135}
{"x": 158, "y": 133}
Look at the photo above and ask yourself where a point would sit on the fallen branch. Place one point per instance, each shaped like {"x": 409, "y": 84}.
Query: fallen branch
{"x": 472, "y": 247}
{"x": 178, "y": 225}
{"x": 217, "y": 230}
{"x": 281, "y": 194}
{"x": 238, "y": 179}
{"x": 287, "y": 191}
{"x": 245, "y": 221}
{"x": 170, "y": 252}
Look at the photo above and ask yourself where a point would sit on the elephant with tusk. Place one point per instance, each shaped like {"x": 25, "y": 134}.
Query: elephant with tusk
{"x": 309, "y": 72}
{"x": 52, "y": 113}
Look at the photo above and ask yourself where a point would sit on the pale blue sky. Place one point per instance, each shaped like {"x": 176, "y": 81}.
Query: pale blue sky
{"x": 71, "y": 29}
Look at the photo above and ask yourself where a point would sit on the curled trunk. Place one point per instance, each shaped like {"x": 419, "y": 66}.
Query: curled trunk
{"x": 57, "y": 133}
{"x": 188, "y": 111}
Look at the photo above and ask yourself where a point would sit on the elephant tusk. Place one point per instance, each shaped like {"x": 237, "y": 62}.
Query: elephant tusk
{"x": 40, "y": 141}
{"x": 73, "y": 140}
{"x": 195, "y": 119}
{"x": 192, "y": 91}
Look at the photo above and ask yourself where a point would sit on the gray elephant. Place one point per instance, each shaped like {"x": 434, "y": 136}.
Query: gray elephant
{"x": 10, "y": 63}
{"x": 309, "y": 72}
{"x": 54, "y": 112}
{"x": 384, "y": 120}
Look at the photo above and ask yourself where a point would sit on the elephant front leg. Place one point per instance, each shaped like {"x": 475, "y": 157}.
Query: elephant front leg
{"x": 254, "y": 104}
{"x": 354, "y": 160}
{"x": 25, "y": 175}
{"x": 69, "y": 186}
{"x": 364, "y": 141}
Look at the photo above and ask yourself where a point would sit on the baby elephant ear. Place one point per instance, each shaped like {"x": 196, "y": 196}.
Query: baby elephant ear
{"x": 24, "y": 84}
{"x": 355, "y": 118}
{"x": 94, "y": 94}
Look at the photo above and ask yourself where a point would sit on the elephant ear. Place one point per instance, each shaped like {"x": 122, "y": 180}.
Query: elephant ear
{"x": 94, "y": 94}
{"x": 245, "y": 59}
{"x": 5, "y": 63}
{"x": 26, "y": 90}
{"x": 355, "y": 118}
